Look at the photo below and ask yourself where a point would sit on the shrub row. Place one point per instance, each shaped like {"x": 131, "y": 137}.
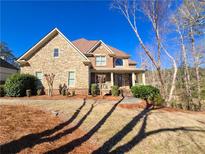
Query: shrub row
{"x": 95, "y": 90}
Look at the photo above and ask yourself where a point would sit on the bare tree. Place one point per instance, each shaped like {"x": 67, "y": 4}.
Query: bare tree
{"x": 180, "y": 28}
{"x": 50, "y": 79}
{"x": 155, "y": 11}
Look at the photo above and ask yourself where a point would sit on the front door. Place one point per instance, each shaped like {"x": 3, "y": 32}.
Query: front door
{"x": 100, "y": 78}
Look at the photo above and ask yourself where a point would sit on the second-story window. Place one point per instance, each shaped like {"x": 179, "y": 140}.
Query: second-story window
{"x": 56, "y": 53}
{"x": 118, "y": 62}
{"x": 100, "y": 60}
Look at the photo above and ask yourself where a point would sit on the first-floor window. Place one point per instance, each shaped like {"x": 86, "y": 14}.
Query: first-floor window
{"x": 39, "y": 75}
{"x": 71, "y": 78}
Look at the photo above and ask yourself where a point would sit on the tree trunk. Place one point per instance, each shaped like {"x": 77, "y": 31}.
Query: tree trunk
{"x": 185, "y": 67}
{"x": 162, "y": 88}
{"x": 163, "y": 91}
{"x": 196, "y": 65}
{"x": 174, "y": 74}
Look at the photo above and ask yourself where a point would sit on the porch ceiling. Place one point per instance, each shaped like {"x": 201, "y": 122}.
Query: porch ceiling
{"x": 117, "y": 70}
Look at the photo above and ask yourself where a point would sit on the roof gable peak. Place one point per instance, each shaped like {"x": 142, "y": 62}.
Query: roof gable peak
{"x": 44, "y": 39}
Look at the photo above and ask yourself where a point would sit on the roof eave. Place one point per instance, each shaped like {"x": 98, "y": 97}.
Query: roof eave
{"x": 86, "y": 62}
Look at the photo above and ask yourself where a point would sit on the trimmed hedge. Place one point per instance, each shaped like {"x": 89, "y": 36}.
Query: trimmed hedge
{"x": 17, "y": 84}
{"x": 148, "y": 93}
{"x": 115, "y": 90}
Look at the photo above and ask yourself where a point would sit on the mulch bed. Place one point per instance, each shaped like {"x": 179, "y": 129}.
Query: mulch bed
{"x": 134, "y": 106}
{"x": 23, "y": 130}
{"x": 60, "y": 97}
{"x": 142, "y": 105}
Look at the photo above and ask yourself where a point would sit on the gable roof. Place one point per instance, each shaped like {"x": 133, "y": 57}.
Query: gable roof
{"x": 86, "y": 45}
{"x": 49, "y": 36}
{"x": 118, "y": 52}
{"x": 5, "y": 64}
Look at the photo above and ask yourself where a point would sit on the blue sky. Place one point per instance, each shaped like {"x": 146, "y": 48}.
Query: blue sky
{"x": 24, "y": 23}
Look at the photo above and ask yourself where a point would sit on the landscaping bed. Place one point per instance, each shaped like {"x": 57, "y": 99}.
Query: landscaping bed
{"x": 142, "y": 105}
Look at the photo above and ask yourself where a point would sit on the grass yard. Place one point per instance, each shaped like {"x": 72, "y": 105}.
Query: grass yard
{"x": 96, "y": 126}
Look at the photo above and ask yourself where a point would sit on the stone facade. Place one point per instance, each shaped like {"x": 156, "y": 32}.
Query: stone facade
{"x": 69, "y": 59}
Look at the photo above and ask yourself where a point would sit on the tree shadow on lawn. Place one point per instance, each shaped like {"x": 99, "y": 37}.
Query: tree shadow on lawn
{"x": 141, "y": 135}
{"x": 70, "y": 130}
{"x": 108, "y": 145}
{"x": 77, "y": 142}
{"x": 38, "y": 138}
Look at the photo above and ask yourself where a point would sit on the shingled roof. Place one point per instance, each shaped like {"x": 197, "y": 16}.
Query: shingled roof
{"x": 5, "y": 64}
{"x": 132, "y": 62}
{"x": 85, "y": 45}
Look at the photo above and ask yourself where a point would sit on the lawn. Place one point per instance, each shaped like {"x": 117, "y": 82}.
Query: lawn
{"x": 98, "y": 126}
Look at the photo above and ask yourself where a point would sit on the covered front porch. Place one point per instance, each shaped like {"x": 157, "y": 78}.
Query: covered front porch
{"x": 123, "y": 78}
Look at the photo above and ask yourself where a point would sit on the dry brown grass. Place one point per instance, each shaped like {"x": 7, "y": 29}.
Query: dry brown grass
{"x": 61, "y": 97}
{"x": 28, "y": 130}
{"x": 132, "y": 131}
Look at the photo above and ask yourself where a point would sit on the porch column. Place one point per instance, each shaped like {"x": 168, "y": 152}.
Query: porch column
{"x": 133, "y": 78}
{"x": 112, "y": 79}
{"x": 143, "y": 78}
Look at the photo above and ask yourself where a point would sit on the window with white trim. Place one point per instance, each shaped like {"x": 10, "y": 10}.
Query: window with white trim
{"x": 100, "y": 60}
{"x": 71, "y": 79}
{"x": 39, "y": 75}
{"x": 118, "y": 62}
{"x": 56, "y": 53}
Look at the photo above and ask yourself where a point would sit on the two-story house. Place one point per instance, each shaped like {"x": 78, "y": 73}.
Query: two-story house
{"x": 80, "y": 63}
